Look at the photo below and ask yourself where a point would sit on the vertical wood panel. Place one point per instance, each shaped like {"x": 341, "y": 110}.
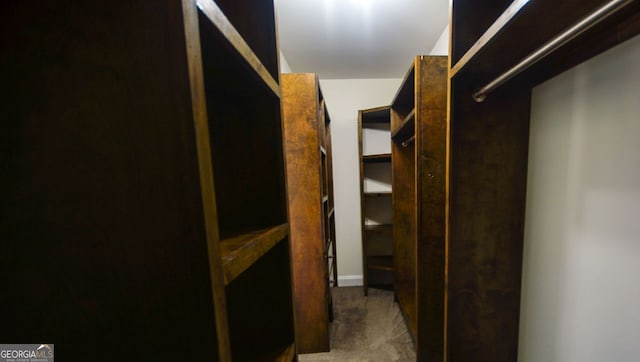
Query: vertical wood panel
{"x": 431, "y": 119}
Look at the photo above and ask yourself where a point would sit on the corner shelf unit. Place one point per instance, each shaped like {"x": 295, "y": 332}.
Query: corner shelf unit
{"x": 307, "y": 135}
{"x": 418, "y": 133}
{"x": 488, "y": 155}
{"x": 375, "y": 197}
{"x": 150, "y": 177}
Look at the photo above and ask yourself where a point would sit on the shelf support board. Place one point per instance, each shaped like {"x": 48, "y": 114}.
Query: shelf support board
{"x": 240, "y": 252}
{"x": 217, "y": 17}
{"x": 494, "y": 29}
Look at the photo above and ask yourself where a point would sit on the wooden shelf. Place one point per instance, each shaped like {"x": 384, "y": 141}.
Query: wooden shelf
{"x": 380, "y": 262}
{"x": 404, "y": 100}
{"x": 379, "y": 158}
{"x": 309, "y": 179}
{"x": 211, "y": 10}
{"x": 382, "y": 228}
{"x": 521, "y": 29}
{"x": 378, "y": 115}
{"x": 378, "y": 194}
{"x": 406, "y": 128}
{"x": 240, "y": 252}
{"x": 418, "y": 197}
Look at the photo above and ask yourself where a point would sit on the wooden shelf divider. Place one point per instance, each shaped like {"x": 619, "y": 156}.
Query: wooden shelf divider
{"x": 211, "y": 10}
{"x": 379, "y": 158}
{"x": 239, "y": 252}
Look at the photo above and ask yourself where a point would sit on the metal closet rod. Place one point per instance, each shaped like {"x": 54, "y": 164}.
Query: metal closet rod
{"x": 549, "y": 47}
{"x": 408, "y": 141}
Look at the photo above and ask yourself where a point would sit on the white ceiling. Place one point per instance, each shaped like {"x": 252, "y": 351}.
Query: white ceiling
{"x": 353, "y": 39}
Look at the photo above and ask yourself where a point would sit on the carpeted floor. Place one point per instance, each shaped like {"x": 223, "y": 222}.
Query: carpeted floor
{"x": 366, "y": 329}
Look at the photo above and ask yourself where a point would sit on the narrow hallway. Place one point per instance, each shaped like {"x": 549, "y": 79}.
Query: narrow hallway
{"x": 366, "y": 329}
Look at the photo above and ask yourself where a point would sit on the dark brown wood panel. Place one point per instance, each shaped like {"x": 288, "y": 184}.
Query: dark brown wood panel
{"x": 110, "y": 142}
{"x": 533, "y": 26}
{"x": 239, "y": 136}
{"x": 419, "y": 179}
{"x": 310, "y": 194}
{"x": 260, "y": 323}
{"x": 404, "y": 227}
{"x": 255, "y": 22}
{"x": 102, "y": 220}
{"x": 474, "y": 18}
{"x": 489, "y": 149}
{"x": 431, "y": 131}
{"x": 238, "y": 253}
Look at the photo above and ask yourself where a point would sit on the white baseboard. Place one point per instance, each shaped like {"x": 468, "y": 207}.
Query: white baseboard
{"x": 350, "y": 280}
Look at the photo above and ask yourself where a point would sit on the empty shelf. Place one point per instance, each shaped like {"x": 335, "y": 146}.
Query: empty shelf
{"x": 380, "y": 262}
{"x": 382, "y": 228}
{"x": 379, "y": 158}
{"x": 406, "y": 129}
{"x": 240, "y": 252}
{"x": 377, "y": 194}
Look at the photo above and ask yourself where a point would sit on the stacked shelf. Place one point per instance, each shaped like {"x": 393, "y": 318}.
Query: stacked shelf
{"x": 178, "y": 169}
{"x": 418, "y": 130}
{"x": 311, "y": 208}
{"x": 249, "y": 186}
{"x": 375, "y": 187}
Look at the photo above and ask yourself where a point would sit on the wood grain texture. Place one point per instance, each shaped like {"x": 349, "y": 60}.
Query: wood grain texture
{"x": 255, "y": 21}
{"x": 235, "y": 39}
{"x": 238, "y": 253}
{"x": 534, "y": 25}
{"x": 247, "y": 198}
{"x": 431, "y": 122}
{"x": 489, "y": 145}
{"x": 419, "y": 176}
{"x": 308, "y": 195}
{"x": 404, "y": 223}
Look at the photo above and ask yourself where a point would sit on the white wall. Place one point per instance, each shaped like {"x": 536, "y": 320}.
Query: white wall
{"x": 581, "y": 282}
{"x": 284, "y": 65}
{"x": 344, "y": 97}
{"x": 442, "y": 44}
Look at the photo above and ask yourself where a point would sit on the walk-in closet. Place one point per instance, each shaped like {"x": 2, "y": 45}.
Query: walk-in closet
{"x": 320, "y": 180}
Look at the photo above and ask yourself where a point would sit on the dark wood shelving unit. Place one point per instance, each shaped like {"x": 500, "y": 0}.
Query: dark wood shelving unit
{"x": 488, "y": 153}
{"x": 311, "y": 208}
{"x": 159, "y": 218}
{"x": 418, "y": 129}
{"x": 376, "y": 237}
